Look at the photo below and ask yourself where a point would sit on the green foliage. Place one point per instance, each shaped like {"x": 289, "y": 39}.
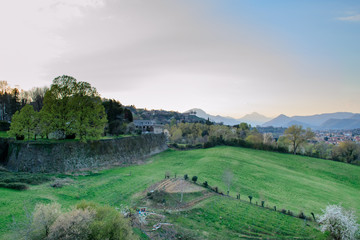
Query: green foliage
{"x": 297, "y": 136}
{"x": 24, "y": 122}
{"x": 73, "y": 107}
{"x": 20, "y": 181}
{"x": 118, "y": 117}
{"x": 348, "y": 152}
{"x": 72, "y": 225}
{"x": 44, "y": 216}
{"x": 108, "y": 223}
{"x": 14, "y": 185}
{"x": 194, "y": 179}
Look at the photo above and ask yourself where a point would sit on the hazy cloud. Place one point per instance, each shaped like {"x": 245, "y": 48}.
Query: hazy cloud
{"x": 173, "y": 55}
{"x": 352, "y": 18}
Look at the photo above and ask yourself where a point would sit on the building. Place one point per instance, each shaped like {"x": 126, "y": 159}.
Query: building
{"x": 148, "y": 126}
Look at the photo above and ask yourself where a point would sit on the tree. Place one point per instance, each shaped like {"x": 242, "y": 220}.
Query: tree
{"x": 89, "y": 115}
{"x": 341, "y": 223}
{"x": 297, "y": 136}
{"x": 23, "y": 122}
{"x": 74, "y": 108}
{"x": 194, "y": 179}
{"x": 347, "y": 151}
{"x": 37, "y": 96}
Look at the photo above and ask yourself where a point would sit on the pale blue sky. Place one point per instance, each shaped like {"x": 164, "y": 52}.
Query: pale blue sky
{"x": 228, "y": 57}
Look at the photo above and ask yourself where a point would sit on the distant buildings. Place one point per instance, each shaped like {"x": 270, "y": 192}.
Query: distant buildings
{"x": 148, "y": 126}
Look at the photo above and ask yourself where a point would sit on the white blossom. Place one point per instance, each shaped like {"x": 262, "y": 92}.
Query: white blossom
{"x": 341, "y": 223}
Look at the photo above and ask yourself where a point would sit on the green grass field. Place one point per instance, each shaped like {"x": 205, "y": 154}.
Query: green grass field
{"x": 294, "y": 183}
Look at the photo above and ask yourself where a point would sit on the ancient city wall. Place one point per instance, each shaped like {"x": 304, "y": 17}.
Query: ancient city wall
{"x": 72, "y": 156}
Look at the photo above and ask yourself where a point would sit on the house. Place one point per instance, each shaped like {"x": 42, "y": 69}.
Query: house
{"x": 148, "y": 126}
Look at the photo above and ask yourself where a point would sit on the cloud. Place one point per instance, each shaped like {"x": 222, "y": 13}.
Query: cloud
{"x": 352, "y": 18}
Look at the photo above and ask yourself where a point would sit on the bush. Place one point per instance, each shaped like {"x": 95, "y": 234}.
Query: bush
{"x": 14, "y": 185}
{"x": 60, "y": 182}
{"x": 194, "y": 179}
{"x": 341, "y": 224}
{"x": 205, "y": 184}
{"x": 44, "y": 216}
{"x": 108, "y": 223}
{"x": 72, "y": 225}
{"x": 186, "y": 177}
{"x": 301, "y": 215}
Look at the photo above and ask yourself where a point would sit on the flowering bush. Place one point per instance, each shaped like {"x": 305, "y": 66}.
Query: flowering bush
{"x": 341, "y": 223}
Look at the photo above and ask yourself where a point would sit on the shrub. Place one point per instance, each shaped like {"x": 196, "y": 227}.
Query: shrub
{"x": 216, "y": 189}
{"x": 60, "y": 182}
{"x": 205, "y": 184}
{"x": 250, "y": 198}
{"x": 186, "y": 177}
{"x": 44, "y": 216}
{"x": 341, "y": 223}
{"x": 72, "y": 225}
{"x": 301, "y": 215}
{"x": 14, "y": 185}
{"x": 283, "y": 211}
{"x": 194, "y": 179}
{"x": 290, "y": 213}
{"x": 108, "y": 223}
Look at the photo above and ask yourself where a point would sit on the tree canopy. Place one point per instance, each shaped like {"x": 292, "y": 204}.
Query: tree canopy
{"x": 24, "y": 122}
{"x": 70, "y": 108}
{"x": 297, "y": 136}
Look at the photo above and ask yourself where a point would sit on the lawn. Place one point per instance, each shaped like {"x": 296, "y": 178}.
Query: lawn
{"x": 294, "y": 183}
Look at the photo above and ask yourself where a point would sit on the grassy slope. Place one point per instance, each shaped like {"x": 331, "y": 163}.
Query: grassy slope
{"x": 291, "y": 182}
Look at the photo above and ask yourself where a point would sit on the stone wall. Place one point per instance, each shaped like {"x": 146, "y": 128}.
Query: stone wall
{"x": 72, "y": 156}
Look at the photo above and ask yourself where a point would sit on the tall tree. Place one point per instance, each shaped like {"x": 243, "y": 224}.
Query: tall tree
{"x": 74, "y": 108}
{"x": 297, "y": 136}
{"x": 24, "y": 122}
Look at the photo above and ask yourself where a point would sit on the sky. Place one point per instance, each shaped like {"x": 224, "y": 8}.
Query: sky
{"x": 228, "y": 57}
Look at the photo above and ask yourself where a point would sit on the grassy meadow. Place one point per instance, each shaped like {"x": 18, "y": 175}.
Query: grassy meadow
{"x": 288, "y": 182}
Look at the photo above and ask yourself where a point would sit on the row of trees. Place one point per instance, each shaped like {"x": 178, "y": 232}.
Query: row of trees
{"x": 295, "y": 140}
{"x": 13, "y": 99}
{"x": 70, "y": 109}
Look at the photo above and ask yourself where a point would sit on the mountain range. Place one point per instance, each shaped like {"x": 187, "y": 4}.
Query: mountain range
{"x": 325, "y": 121}
{"x": 254, "y": 118}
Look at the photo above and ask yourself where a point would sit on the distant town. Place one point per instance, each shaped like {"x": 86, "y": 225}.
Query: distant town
{"x": 336, "y": 136}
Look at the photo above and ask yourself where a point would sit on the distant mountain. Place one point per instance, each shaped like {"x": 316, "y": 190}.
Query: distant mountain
{"x": 280, "y": 121}
{"x": 226, "y": 120}
{"x": 349, "y": 123}
{"x": 253, "y": 118}
{"x": 338, "y": 120}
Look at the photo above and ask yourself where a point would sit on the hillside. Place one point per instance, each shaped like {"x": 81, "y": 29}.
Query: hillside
{"x": 289, "y": 182}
